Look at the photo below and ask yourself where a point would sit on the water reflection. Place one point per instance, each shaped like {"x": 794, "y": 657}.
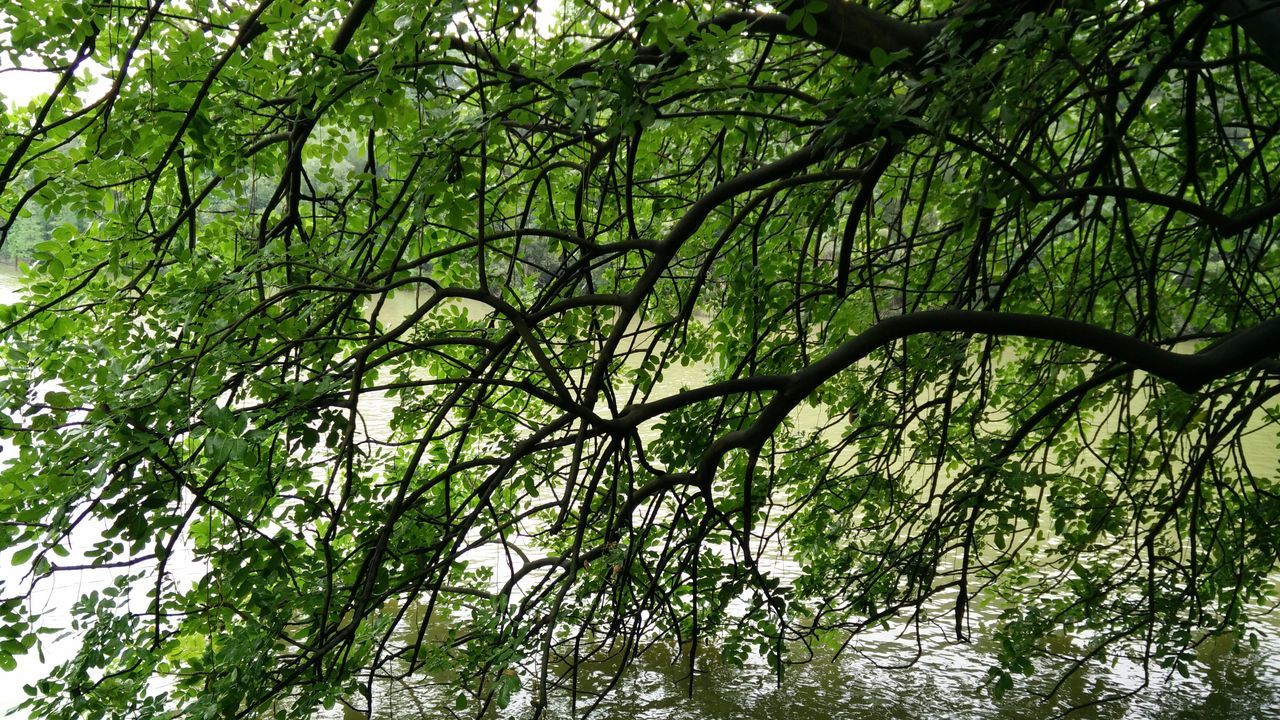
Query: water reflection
{"x": 945, "y": 683}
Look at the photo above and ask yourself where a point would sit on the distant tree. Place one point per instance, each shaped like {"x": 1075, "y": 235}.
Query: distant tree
{"x": 985, "y": 293}
{"x": 24, "y": 233}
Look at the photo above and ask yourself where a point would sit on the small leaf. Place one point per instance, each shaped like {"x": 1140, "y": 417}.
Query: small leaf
{"x": 23, "y": 555}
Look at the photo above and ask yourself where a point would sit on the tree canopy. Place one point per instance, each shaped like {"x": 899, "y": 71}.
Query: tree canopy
{"x": 979, "y": 300}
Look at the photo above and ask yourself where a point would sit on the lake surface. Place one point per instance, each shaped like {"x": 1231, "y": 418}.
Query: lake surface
{"x": 946, "y": 682}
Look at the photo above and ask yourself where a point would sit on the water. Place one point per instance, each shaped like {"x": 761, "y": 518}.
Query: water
{"x": 946, "y": 682}
{"x": 864, "y": 683}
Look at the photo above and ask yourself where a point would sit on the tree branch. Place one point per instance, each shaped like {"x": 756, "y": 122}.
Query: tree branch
{"x": 1188, "y": 371}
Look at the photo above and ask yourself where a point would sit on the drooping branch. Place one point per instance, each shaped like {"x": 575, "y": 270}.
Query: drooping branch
{"x": 1188, "y": 371}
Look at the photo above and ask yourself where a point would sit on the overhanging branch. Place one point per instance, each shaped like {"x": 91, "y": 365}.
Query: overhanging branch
{"x": 1189, "y": 371}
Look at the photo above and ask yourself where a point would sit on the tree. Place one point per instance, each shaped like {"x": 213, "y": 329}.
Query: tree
{"x": 983, "y": 292}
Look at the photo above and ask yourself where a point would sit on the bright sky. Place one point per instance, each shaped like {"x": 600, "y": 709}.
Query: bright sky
{"x": 18, "y": 88}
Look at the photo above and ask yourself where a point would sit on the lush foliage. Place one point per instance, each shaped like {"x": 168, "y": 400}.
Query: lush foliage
{"x": 978, "y": 300}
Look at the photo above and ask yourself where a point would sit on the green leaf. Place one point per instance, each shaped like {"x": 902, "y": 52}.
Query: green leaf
{"x": 58, "y": 398}
{"x": 810, "y": 24}
{"x": 23, "y": 555}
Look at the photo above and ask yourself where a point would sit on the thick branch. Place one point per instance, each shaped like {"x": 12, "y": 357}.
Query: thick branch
{"x": 350, "y": 24}
{"x": 854, "y": 30}
{"x": 1260, "y": 20}
{"x": 1188, "y": 371}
